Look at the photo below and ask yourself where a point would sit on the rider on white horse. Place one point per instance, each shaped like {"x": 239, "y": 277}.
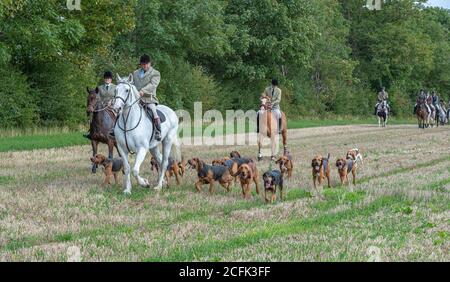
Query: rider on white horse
{"x": 274, "y": 93}
{"x": 146, "y": 79}
{"x": 382, "y": 96}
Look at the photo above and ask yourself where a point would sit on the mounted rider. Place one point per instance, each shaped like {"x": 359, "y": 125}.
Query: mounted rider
{"x": 382, "y": 96}
{"x": 274, "y": 93}
{"x": 105, "y": 93}
{"x": 421, "y": 99}
{"x": 146, "y": 79}
{"x": 429, "y": 102}
{"x": 436, "y": 101}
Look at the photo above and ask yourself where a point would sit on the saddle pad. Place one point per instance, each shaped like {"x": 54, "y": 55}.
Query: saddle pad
{"x": 162, "y": 117}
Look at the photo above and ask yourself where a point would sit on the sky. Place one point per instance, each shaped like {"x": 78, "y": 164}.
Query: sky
{"x": 440, "y": 3}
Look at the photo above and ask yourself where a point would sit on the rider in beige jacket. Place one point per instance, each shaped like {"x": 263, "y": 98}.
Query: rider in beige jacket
{"x": 146, "y": 79}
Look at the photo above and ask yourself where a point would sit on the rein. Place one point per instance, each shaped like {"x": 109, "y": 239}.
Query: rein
{"x": 125, "y": 119}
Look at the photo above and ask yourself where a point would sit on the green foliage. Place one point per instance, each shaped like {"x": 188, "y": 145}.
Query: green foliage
{"x": 331, "y": 56}
{"x": 16, "y": 99}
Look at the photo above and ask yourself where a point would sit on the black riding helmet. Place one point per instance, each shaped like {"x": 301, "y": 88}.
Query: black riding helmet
{"x": 108, "y": 74}
{"x": 145, "y": 59}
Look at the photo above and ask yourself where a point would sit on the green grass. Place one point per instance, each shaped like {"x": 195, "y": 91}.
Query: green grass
{"x": 25, "y": 140}
{"x": 46, "y": 141}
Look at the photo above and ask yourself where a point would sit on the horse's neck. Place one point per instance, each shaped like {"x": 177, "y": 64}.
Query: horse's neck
{"x": 132, "y": 109}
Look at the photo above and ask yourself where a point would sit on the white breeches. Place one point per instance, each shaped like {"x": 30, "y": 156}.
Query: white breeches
{"x": 153, "y": 108}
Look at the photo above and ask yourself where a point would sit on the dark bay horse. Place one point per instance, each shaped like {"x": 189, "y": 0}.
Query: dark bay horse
{"x": 422, "y": 115}
{"x": 103, "y": 119}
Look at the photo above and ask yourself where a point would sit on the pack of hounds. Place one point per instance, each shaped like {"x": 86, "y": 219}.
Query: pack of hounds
{"x": 235, "y": 169}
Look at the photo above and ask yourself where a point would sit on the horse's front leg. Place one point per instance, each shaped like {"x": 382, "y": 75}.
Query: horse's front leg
{"x": 110, "y": 148}
{"x": 140, "y": 157}
{"x": 94, "y": 152}
{"x": 126, "y": 171}
{"x": 274, "y": 138}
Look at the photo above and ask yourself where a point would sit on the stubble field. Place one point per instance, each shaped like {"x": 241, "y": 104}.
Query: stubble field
{"x": 51, "y": 205}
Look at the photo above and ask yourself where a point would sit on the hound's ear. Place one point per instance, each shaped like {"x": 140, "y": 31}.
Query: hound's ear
{"x": 130, "y": 78}
{"x": 278, "y": 161}
{"x": 118, "y": 77}
{"x": 96, "y": 90}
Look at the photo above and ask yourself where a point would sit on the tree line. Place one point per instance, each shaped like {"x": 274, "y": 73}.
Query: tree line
{"x": 330, "y": 56}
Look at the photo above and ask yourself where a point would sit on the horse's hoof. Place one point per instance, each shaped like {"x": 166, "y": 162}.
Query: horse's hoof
{"x": 260, "y": 159}
{"x": 94, "y": 170}
{"x": 127, "y": 192}
{"x": 157, "y": 188}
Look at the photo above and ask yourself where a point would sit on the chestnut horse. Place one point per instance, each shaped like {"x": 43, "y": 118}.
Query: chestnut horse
{"x": 103, "y": 119}
{"x": 269, "y": 127}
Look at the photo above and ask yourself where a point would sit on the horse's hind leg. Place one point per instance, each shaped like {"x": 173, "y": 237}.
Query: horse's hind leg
{"x": 157, "y": 155}
{"x": 166, "y": 147}
{"x": 140, "y": 156}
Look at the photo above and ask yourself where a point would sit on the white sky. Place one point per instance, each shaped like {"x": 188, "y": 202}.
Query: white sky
{"x": 440, "y": 3}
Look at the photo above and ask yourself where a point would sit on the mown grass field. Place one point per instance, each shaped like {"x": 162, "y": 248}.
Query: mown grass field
{"x": 398, "y": 211}
{"x": 46, "y": 138}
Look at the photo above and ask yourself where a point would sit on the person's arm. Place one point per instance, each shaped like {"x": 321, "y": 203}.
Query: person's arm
{"x": 150, "y": 88}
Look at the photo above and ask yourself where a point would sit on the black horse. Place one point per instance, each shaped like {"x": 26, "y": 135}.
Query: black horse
{"x": 103, "y": 119}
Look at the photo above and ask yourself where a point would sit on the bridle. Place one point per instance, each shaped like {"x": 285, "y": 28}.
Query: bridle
{"x": 125, "y": 119}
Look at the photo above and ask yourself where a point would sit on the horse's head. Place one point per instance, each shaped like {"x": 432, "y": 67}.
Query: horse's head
{"x": 126, "y": 93}
{"x": 91, "y": 100}
{"x": 266, "y": 102}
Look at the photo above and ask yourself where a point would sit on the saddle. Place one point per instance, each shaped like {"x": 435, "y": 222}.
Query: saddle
{"x": 149, "y": 112}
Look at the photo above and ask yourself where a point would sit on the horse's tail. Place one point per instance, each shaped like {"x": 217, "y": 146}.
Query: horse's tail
{"x": 175, "y": 151}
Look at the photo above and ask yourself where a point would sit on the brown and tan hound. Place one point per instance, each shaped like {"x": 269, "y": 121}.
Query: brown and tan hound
{"x": 174, "y": 169}
{"x": 355, "y": 155}
{"x": 247, "y": 174}
{"x": 285, "y": 163}
{"x": 345, "y": 166}
{"x": 110, "y": 167}
{"x": 208, "y": 174}
{"x": 320, "y": 170}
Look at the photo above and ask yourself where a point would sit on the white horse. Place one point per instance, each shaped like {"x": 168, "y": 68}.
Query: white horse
{"x": 134, "y": 133}
{"x": 382, "y": 113}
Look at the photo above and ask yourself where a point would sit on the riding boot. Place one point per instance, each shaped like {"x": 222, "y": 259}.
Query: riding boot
{"x": 415, "y": 110}
{"x": 257, "y": 123}
{"x": 279, "y": 126}
{"x": 157, "y": 123}
{"x": 375, "y": 113}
